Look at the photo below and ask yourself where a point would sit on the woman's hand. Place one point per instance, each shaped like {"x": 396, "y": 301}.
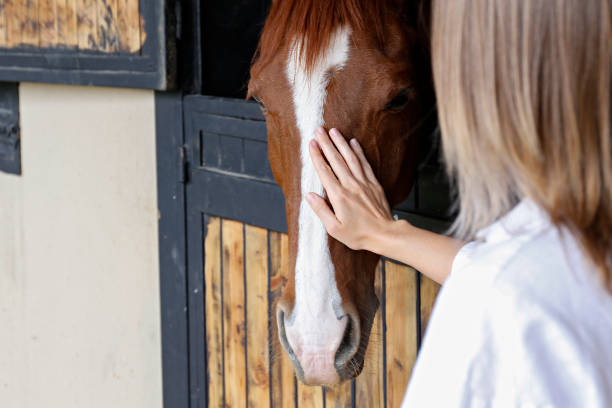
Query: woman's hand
{"x": 360, "y": 210}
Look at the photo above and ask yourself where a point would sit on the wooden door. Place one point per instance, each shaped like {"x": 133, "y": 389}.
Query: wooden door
{"x": 237, "y": 252}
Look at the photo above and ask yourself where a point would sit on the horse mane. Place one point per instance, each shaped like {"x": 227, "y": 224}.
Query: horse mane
{"x": 313, "y": 22}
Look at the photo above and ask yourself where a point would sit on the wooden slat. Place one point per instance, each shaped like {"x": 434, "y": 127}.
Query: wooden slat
{"x": 30, "y": 31}
{"x": 339, "y": 396}
{"x": 310, "y": 397}
{"x": 47, "y": 17}
{"x": 429, "y": 291}
{"x": 233, "y": 313}
{"x": 107, "y": 30}
{"x": 283, "y": 379}
{"x": 66, "y": 23}
{"x": 128, "y": 25}
{"x": 15, "y": 18}
{"x": 401, "y": 329}
{"x": 3, "y": 24}
{"x": 87, "y": 24}
{"x": 258, "y": 365}
{"x": 369, "y": 385}
{"x": 214, "y": 313}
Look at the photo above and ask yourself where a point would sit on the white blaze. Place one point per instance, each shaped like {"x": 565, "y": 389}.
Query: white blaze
{"x": 315, "y": 321}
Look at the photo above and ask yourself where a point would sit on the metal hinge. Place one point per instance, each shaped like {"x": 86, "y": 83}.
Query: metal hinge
{"x": 183, "y": 163}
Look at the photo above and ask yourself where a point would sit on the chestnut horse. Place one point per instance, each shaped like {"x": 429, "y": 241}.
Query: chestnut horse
{"x": 355, "y": 65}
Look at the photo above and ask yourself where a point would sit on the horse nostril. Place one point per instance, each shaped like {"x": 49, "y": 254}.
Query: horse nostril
{"x": 348, "y": 346}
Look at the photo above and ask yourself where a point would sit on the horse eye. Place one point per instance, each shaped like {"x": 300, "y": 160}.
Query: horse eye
{"x": 262, "y": 106}
{"x": 400, "y": 100}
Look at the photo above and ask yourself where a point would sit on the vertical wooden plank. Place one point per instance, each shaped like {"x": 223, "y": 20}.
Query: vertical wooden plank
{"x": 87, "y": 24}
{"x": 15, "y": 18}
{"x": 47, "y": 17}
{"x": 29, "y": 33}
{"x": 233, "y": 313}
{"x": 282, "y": 379}
{"x": 429, "y": 291}
{"x": 214, "y": 313}
{"x": 258, "y": 365}
{"x": 3, "y": 26}
{"x": 339, "y": 396}
{"x": 401, "y": 335}
{"x": 66, "y": 23}
{"x": 107, "y": 29}
{"x": 369, "y": 385}
{"x": 310, "y": 397}
{"x": 128, "y": 25}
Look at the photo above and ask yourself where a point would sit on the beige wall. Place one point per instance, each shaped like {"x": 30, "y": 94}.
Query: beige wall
{"x": 79, "y": 286}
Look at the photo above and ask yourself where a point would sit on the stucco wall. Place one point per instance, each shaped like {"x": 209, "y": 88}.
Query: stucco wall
{"x": 79, "y": 275}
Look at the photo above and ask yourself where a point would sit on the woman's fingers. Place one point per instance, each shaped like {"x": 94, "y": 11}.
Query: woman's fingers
{"x": 352, "y": 161}
{"x": 336, "y": 161}
{"x": 365, "y": 165}
{"x": 326, "y": 175}
{"x": 320, "y": 207}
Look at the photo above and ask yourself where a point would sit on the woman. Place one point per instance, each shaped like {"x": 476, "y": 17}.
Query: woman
{"x": 524, "y": 316}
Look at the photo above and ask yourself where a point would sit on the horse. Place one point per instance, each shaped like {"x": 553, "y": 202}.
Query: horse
{"x": 356, "y": 65}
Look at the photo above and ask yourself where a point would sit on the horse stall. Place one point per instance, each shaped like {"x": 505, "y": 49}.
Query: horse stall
{"x": 143, "y": 238}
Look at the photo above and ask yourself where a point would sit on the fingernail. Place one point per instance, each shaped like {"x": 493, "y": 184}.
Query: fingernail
{"x": 335, "y": 132}
{"x": 309, "y": 197}
{"x": 313, "y": 143}
{"x": 354, "y": 142}
{"x": 320, "y": 130}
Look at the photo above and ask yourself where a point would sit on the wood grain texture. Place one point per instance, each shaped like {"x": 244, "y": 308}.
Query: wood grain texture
{"x": 401, "y": 329}
{"x": 87, "y": 23}
{"x": 234, "y": 313}
{"x": 3, "y": 24}
{"x": 429, "y": 291}
{"x": 15, "y": 18}
{"x": 369, "y": 386}
{"x": 47, "y": 18}
{"x": 66, "y": 23}
{"x": 108, "y": 40}
{"x": 310, "y": 397}
{"x": 339, "y": 396}
{"x": 214, "y": 313}
{"x": 128, "y": 25}
{"x": 282, "y": 380}
{"x": 31, "y": 25}
{"x": 258, "y": 362}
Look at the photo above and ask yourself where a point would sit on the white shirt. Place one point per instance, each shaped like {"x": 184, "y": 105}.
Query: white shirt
{"x": 521, "y": 321}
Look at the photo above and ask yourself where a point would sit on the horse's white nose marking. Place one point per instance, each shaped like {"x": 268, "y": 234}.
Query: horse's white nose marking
{"x": 316, "y": 324}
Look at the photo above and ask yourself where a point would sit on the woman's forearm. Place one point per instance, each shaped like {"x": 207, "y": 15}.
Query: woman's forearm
{"x": 430, "y": 253}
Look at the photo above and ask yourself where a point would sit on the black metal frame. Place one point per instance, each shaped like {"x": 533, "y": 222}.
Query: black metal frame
{"x": 10, "y": 141}
{"x": 153, "y": 68}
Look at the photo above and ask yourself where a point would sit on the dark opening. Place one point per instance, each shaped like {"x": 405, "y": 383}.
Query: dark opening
{"x": 230, "y": 32}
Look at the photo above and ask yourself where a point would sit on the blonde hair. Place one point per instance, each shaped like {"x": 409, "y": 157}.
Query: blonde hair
{"x": 523, "y": 90}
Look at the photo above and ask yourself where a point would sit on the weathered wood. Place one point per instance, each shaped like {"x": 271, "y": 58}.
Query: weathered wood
{"x": 3, "y": 24}
{"x": 47, "y": 18}
{"x": 66, "y": 23}
{"x": 87, "y": 24}
{"x": 31, "y": 25}
{"x": 369, "y": 386}
{"x": 310, "y": 397}
{"x": 128, "y": 25}
{"x": 429, "y": 291}
{"x": 234, "y": 313}
{"x": 15, "y": 19}
{"x": 258, "y": 358}
{"x": 339, "y": 396}
{"x": 282, "y": 380}
{"x": 214, "y": 313}
{"x": 401, "y": 329}
{"x": 106, "y": 27}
